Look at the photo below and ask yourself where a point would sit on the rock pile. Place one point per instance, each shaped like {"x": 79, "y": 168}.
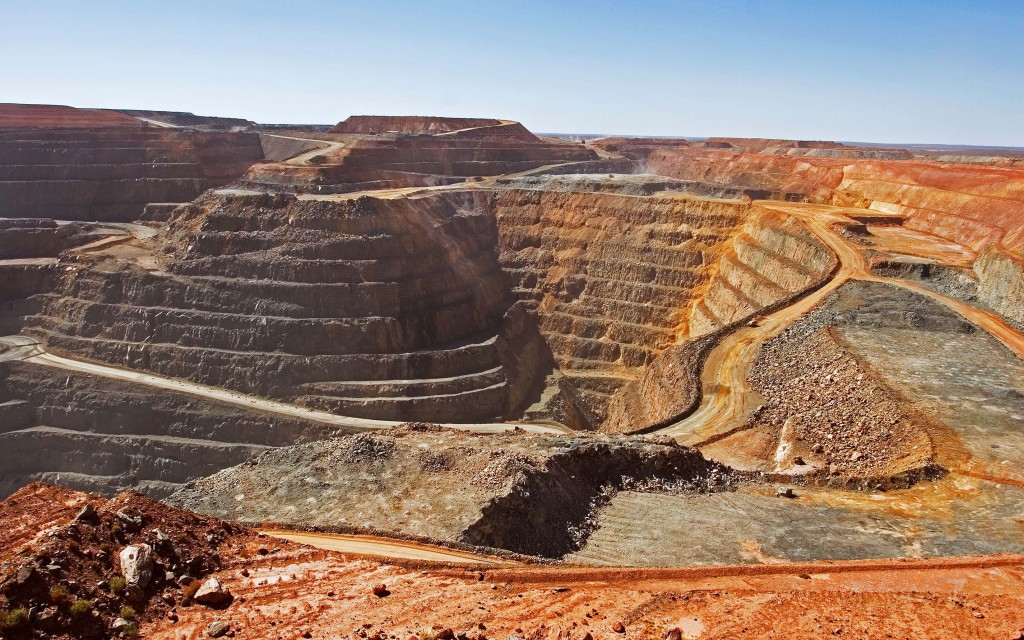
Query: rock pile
{"x": 76, "y": 578}
{"x": 838, "y": 416}
{"x": 525, "y": 493}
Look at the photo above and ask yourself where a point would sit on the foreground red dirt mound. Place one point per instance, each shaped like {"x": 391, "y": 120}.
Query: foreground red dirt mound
{"x": 65, "y": 570}
{"x": 57, "y": 570}
{"x": 55, "y": 116}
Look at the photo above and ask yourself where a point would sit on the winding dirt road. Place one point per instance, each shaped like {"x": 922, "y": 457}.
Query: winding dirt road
{"x": 27, "y": 349}
{"x": 377, "y": 547}
{"x": 727, "y": 400}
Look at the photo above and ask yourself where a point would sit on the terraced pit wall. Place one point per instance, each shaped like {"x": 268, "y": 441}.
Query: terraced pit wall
{"x": 772, "y": 260}
{"x": 112, "y": 173}
{"x": 610, "y": 277}
{"x": 370, "y": 307}
{"x": 105, "y": 436}
{"x": 969, "y": 204}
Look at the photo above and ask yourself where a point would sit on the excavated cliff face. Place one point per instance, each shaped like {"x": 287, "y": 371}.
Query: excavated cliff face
{"x": 609, "y": 276}
{"x": 977, "y": 206}
{"x": 773, "y": 258}
{"x": 111, "y": 173}
{"x": 973, "y": 205}
{"x": 784, "y": 177}
{"x": 371, "y": 307}
{"x": 1001, "y": 282}
{"x": 104, "y": 436}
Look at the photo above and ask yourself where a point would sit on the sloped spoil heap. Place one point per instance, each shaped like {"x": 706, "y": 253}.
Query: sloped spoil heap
{"x": 524, "y": 493}
{"x": 112, "y": 172}
{"x": 370, "y": 307}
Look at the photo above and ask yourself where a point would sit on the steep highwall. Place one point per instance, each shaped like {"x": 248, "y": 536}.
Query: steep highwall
{"x": 773, "y": 259}
{"x": 973, "y": 205}
{"x": 783, "y": 177}
{"x": 1001, "y": 282}
{"x": 112, "y": 173}
{"x": 609, "y": 276}
{"x": 372, "y": 307}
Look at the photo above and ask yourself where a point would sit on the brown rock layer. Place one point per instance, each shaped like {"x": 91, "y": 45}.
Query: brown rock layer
{"x": 391, "y": 309}
{"x": 112, "y": 173}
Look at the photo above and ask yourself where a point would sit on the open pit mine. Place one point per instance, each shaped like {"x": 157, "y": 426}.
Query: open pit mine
{"x": 422, "y": 378}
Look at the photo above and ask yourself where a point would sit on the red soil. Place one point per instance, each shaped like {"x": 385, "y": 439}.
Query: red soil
{"x": 976, "y": 205}
{"x": 285, "y": 590}
{"x": 58, "y": 116}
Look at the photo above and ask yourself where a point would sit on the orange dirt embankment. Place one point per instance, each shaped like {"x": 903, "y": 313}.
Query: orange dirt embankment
{"x": 58, "y": 116}
{"x": 285, "y": 590}
{"x": 975, "y": 205}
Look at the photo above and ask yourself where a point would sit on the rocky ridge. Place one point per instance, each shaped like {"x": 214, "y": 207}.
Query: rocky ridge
{"x": 523, "y": 493}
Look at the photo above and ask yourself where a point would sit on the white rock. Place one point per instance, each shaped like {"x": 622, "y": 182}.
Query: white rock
{"x": 212, "y": 593}
{"x": 137, "y": 564}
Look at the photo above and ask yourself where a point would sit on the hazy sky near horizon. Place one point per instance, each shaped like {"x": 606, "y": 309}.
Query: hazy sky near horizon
{"x": 924, "y": 71}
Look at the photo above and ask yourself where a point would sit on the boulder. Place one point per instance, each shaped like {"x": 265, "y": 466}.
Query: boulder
{"x": 137, "y": 564}
{"x": 212, "y": 593}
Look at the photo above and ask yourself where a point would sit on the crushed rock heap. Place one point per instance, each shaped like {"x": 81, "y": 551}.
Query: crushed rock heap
{"x": 525, "y": 493}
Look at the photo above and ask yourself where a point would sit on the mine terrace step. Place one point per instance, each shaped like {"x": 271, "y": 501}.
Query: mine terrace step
{"x": 408, "y": 388}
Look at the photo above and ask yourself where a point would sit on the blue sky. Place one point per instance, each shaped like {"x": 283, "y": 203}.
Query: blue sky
{"x": 928, "y": 71}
